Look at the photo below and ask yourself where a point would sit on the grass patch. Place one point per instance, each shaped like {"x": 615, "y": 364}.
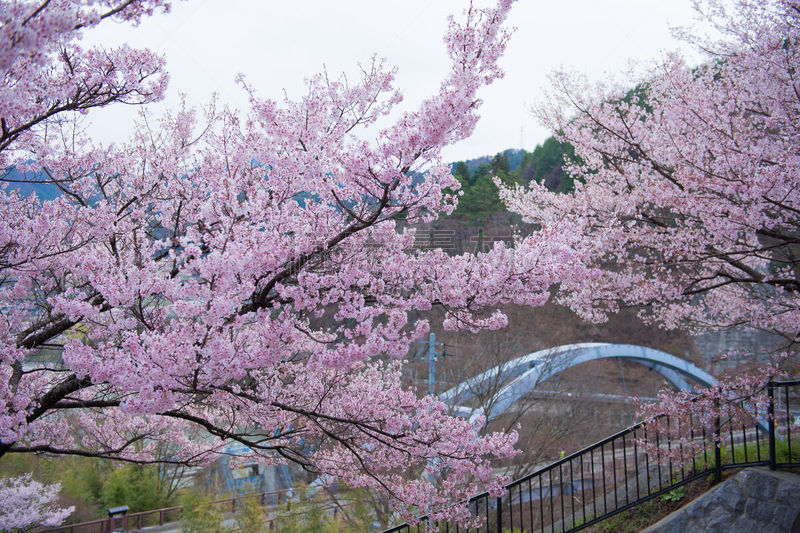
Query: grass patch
{"x": 754, "y": 452}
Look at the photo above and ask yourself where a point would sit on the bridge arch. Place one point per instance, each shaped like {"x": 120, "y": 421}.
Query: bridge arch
{"x": 522, "y": 374}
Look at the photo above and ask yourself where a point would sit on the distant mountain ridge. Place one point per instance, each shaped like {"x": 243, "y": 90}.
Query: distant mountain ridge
{"x": 514, "y": 156}
{"x": 543, "y": 164}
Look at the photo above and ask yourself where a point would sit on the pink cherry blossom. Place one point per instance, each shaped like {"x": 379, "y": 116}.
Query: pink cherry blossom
{"x": 246, "y": 275}
{"x": 25, "y": 503}
{"x": 687, "y": 197}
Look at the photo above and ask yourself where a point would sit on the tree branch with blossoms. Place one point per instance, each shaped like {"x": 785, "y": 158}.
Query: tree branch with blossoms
{"x": 687, "y": 196}
{"x": 249, "y": 274}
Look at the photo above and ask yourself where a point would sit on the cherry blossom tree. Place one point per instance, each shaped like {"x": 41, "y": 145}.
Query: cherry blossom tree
{"x": 687, "y": 196}
{"x": 47, "y": 74}
{"x": 687, "y": 199}
{"x": 25, "y": 502}
{"x": 246, "y": 274}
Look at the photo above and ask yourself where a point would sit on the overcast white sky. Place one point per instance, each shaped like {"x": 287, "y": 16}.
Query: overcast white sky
{"x": 278, "y": 44}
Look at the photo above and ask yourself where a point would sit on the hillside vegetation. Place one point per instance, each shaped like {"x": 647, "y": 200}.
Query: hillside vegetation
{"x": 480, "y": 201}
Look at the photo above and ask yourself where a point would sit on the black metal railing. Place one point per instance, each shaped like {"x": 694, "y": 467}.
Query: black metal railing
{"x": 617, "y": 474}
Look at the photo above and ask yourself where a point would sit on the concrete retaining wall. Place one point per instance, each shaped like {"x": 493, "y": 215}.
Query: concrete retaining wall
{"x": 755, "y": 499}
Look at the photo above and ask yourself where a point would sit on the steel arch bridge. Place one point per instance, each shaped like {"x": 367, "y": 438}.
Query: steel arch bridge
{"x": 519, "y": 376}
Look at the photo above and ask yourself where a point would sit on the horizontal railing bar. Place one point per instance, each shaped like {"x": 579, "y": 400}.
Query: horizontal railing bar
{"x": 731, "y": 466}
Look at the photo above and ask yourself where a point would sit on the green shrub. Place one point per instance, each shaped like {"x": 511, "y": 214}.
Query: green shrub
{"x": 252, "y": 516}
{"x": 675, "y": 495}
{"x": 198, "y": 515}
{"x": 136, "y": 486}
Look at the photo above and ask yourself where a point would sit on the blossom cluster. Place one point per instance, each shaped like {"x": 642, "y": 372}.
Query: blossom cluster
{"x": 687, "y": 192}
{"x": 24, "y": 501}
{"x": 250, "y": 274}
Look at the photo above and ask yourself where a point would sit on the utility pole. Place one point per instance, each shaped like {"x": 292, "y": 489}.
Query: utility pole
{"x": 420, "y": 354}
{"x": 432, "y": 344}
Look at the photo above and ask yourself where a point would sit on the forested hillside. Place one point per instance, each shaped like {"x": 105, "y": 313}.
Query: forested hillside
{"x": 480, "y": 202}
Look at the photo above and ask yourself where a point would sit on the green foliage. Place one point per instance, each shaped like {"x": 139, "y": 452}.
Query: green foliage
{"x": 85, "y": 479}
{"x": 623, "y": 522}
{"x": 252, "y": 517}
{"x": 136, "y": 486}
{"x": 579, "y": 521}
{"x": 629, "y": 521}
{"x": 639, "y": 96}
{"x": 481, "y": 199}
{"x": 305, "y": 514}
{"x": 105, "y": 485}
{"x": 94, "y": 485}
{"x": 499, "y": 164}
{"x": 462, "y": 173}
{"x": 545, "y": 164}
{"x": 782, "y": 452}
{"x": 312, "y": 511}
{"x": 359, "y": 515}
{"x": 198, "y": 515}
{"x": 674, "y": 495}
{"x": 753, "y": 451}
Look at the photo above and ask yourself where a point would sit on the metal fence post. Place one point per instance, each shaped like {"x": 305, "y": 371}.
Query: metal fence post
{"x": 771, "y": 424}
{"x": 499, "y": 515}
{"x": 717, "y": 444}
